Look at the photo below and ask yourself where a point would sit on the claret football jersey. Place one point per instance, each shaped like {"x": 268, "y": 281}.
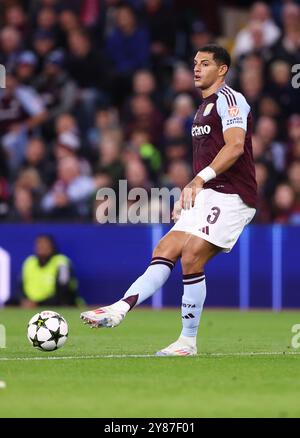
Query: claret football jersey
{"x": 220, "y": 111}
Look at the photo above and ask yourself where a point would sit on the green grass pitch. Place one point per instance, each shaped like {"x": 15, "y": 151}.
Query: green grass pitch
{"x": 223, "y": 381}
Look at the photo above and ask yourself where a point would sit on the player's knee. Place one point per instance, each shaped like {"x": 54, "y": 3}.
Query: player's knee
{"x": 165, "y": 250}
{"x": 192, "y": 261}
{"x": 161, "y": 250}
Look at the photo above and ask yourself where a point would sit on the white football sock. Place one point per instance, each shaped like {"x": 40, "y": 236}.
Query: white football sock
{"x": 147, "y": 284}
{"x": 192, "y": 304}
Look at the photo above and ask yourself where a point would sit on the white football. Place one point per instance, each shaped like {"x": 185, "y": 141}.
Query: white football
{"x": 47, "y": 331}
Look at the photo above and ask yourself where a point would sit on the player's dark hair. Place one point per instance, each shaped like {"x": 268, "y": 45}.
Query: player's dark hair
{"x": 221, "y": 56}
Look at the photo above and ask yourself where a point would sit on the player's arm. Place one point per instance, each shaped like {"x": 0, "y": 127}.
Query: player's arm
{"x": 231, "y": 151}
{"x": 226, "y": 157}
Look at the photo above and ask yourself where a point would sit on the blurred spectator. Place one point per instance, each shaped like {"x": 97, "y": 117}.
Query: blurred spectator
{"x": 269, "y": 107}
{"x": 68, "y": 145}
{"x": 159, "y": 17}
{"x": 182, "y": 82}
{"x": 71, "y": 192}
{"x": 36, "y": 157}
{"x": 136, "y": 175}
{"x": 21, "y": 112}
{"x": 82, "y": 59}
{"x": 294, "y": 179}
{"x": 47, "y": 19}
{"x": 287, "y": 47}
{"x": 199, "y": 37}
{"x": 251, "y": 85}
{"x": 145, "y": 116}
{"x": 25, "y": 68}
{"x": 66, "y": 123}
{"x": 260, "y": 32}
{"x": 280, "y": 88}
{"x": 69, "y": 21}
{"x": 173, "y": 128}
{"x": 15, "y": 17}
{"x": 92, "y": 85}
{"x": 55, "y": 87}
{"x": 284, "y": 208}
{"x": 176, "y": 145}
{"x": 106, "y": 119}
{"x": 47, "y": 276}
{"x": 124, "y": 39}
{"x": 179, "y": 174}
{"x": 23, "y": 209}
{"x": 253, "y": 62}
{"x": 10, "y": 43}
{"x": 109, "y": 169}
{"x": 275, "y": 152}
{"x": 121, "y": 47}
{"x": 29, "y": 179}
{"x": 140, "y": 143}
{"x": 263, "y": 213}
{"x": 93, "y": 16}
{"x": 176, "y": 149}
{"x": 4, "y": 187}
{"x": 144, "y": 83}
{"x": 184, "y": 109}
{"x": 294, "y": 137}
{"x": 44, "y": 42}
{"x": 160, "y": 20}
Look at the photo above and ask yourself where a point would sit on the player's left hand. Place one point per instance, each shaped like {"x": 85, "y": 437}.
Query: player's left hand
{"x": 189, "y": 193}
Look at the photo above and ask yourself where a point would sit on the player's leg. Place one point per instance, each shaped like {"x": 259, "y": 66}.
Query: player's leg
{"x": 195, "y": 254}
{"x": 164, "y": 258}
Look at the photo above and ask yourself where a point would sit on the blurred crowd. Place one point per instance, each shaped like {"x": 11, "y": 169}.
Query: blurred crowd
{"x": 102, "y": 90}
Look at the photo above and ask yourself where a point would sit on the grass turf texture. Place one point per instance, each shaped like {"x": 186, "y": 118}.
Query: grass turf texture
{"x": 203, "y": 386}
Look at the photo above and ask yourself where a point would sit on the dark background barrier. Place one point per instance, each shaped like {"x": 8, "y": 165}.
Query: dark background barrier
{"x": 263, "y": 269}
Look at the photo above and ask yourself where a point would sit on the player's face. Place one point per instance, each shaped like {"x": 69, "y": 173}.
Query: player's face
{"x": 206, "y": 70}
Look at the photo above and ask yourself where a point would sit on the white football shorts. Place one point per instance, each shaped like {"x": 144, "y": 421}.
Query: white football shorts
{"x": 216, "y": 217}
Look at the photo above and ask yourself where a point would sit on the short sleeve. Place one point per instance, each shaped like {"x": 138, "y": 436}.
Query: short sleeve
{"x": 232, "y": 109}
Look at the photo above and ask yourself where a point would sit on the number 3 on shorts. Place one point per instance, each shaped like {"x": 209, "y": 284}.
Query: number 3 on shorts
{"x": 213, "y": 217}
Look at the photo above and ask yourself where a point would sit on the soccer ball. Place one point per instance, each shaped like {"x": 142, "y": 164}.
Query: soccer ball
{"x": 47, "y": 331}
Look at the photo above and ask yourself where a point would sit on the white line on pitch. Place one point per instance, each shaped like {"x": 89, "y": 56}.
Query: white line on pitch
{"x": 128, "y": 356}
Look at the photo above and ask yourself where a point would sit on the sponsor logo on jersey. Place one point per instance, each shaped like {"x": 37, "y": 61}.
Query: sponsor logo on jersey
{"x": 233, "y": 111}
{"x": 208, "y": 109}
{"x": 198, "y": 130}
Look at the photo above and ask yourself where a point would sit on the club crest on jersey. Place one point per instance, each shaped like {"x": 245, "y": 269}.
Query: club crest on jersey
{"x": 208, "y": 109}
{"x": 233, "y": 111}
{"x": 198, "y": 130}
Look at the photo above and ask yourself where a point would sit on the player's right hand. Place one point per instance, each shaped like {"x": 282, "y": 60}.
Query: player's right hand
{"x": 189, "y": 193}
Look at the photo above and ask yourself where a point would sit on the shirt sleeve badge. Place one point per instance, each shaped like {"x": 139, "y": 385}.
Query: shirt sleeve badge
{"x": 233, "y": 111}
